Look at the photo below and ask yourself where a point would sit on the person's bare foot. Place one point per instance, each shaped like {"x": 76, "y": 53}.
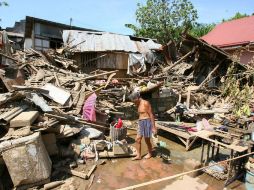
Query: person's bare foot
{"x": 136, "y": 158}
{"x": 148, "y": 156}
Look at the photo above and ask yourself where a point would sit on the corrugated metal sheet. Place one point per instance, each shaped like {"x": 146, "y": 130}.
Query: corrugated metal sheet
{"x": 103, "y": 42}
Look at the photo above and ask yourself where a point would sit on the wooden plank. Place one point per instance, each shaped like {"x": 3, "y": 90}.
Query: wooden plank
{"x": 107, "y": 154}
{"x": 75, "y": 173}
{"x": 179, "y": 61}
{"x": 183, "y": 141}
{"x": 210, "y": 74}
{"x": 176, "y": 132}
{"x": 188, "y": 98}
{"x": 205, "y": 135}
{"x": 91, "y": 171}
{"x": 192, "y": 142}
{"x": 57, "y": 80}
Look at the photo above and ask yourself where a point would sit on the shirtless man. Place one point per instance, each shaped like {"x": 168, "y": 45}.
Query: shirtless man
{"x": 146, "y": 124}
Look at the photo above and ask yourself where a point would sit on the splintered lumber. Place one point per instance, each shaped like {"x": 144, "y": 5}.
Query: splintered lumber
{"x": 74, "y": 119}
{"x": 184, "y": 173}
{"x": 76, "y": 173}
{"x": 80, "y": 98}
{"x": 90, "y": 182}
{"x": 81, "y": 174}
{"x": 97, "y": 75}
{"x": 91, "y": 171}
{"x": 109, "y": 79}
{"x": 9, "y": 57}
{"x": 22, "y": 88}
{"x": 180, "y": 60}
{"x": 57, "y": 80}
{"x": 210, "y": 74}
{"x": 52, "y": 185}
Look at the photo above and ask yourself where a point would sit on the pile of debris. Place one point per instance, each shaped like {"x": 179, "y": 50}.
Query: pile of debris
{"x": 46, "y": 100}
{"x": 44, "y": 103}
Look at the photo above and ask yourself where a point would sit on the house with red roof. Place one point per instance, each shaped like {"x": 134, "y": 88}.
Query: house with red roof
{"x": 236, "y": 37}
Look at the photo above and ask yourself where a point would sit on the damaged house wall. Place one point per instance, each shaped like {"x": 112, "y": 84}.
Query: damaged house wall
{"x": 90, "y": 61}
{"x": 45, "y": 34}
{"x": 38, "y": 34}
{"x": 202, "y": 60}
{"x": 16, "y": 34}
{"x": 108, "y": 51}
{"x": 243, "y": 54}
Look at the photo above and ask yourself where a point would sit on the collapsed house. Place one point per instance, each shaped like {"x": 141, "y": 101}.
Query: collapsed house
{"x": 235, "y": 37}
{"x": 38, "y": 34}
{"x": 201, "y": 61}
{"x": 78, "y": 111}
{"x": 107, "y": 51}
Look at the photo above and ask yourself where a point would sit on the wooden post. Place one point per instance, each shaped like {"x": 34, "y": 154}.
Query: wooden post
{"x": 188, "y": 99}
{"x": 208, "y": 152}
{"x": 202, "y": 151}
{"x": 230, "y": 167}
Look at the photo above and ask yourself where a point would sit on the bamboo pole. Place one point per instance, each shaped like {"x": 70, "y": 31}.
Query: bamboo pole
{"x": 181, "y": 174}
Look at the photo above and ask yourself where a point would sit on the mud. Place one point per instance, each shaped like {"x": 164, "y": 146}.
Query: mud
{"x": 122, "y": 172}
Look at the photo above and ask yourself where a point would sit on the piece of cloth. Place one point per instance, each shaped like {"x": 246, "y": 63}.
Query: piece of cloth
{"x": 89, "y": 113}
{"x": 136, "y": 64}
{"x": 145, "y": 128}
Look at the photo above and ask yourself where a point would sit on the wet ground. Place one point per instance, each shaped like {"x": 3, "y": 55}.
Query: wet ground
{"x": 122, "y": 172}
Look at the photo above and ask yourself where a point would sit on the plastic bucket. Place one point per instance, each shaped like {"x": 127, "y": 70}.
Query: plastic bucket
{"x": 118, "y": 134}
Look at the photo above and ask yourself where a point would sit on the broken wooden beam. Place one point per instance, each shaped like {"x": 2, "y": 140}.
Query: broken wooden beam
{"x": 180, "y": 60}
{"x": 98, "y": 75}
{"x": 52, "y": 185}
{"x": 91, "y": 171}
{"x": 209, "y": 75}
{"x": 81, "y": 174}
{"x": 75, "y": 173}
{"x": 73, "y": 119}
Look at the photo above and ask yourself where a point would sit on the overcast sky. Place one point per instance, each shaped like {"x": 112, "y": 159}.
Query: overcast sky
{"x": 109, "y": 15}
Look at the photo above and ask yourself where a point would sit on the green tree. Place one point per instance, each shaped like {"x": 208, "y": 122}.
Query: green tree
{"x": 236, "y": 16}
{"x": 199, "y": 30}
{"x": 3, "y": 3}
{"x": 164, "y": 20}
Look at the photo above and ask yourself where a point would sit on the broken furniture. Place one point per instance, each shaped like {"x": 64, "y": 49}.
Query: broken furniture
{"x": 188, "y": 138}
{"x": 213, "y": 141}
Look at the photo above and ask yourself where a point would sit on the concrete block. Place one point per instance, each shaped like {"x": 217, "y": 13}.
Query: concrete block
{"x": 24, "y": 119}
